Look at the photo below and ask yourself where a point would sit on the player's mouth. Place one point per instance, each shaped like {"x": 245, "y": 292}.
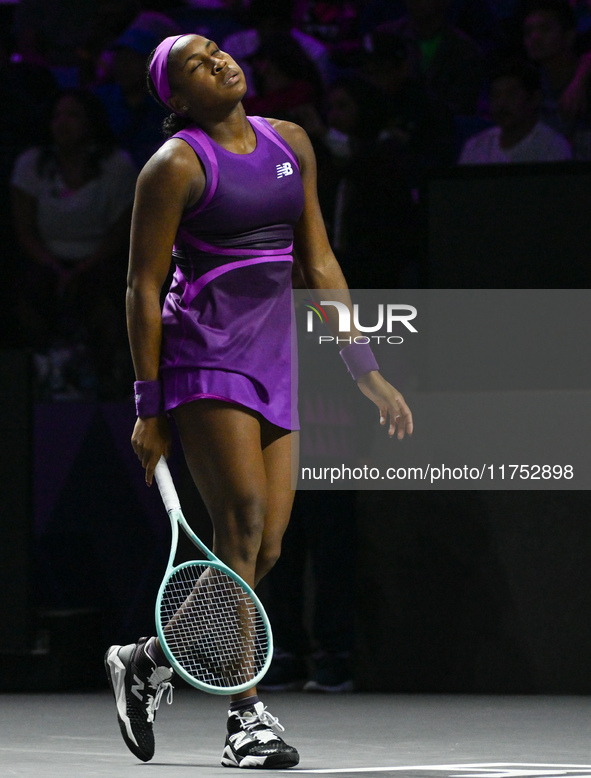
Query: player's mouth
{"x": 231, "y": 77}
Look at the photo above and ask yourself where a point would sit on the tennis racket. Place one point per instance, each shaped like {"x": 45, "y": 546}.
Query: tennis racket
{"x": 212, "y": 626}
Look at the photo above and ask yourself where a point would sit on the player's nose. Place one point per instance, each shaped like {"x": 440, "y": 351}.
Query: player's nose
{"x": 219, "y": 64}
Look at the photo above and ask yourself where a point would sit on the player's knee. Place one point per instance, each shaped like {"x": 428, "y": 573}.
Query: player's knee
{"x": 250, "y": 518}
{"x": 241, "y": 530}
{"x": 267, "y": 557}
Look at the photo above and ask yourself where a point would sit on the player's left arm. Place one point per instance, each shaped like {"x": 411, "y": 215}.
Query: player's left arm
{"x": 321, "y": 270}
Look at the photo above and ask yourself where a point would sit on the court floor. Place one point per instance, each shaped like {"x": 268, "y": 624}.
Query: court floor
{"x": 408, "y": 736}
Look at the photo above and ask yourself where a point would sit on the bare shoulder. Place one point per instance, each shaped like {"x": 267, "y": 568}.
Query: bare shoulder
{"x": 174, "y": 171}
{"x": 295, "y": 136}
{"x": 174, "y": 159}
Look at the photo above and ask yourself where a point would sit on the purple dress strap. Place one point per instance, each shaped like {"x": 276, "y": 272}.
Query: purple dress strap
{"x": 201, "y": 145}
{"x": 271, "y": 133}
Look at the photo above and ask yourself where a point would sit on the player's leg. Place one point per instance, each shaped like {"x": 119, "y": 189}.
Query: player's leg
{"x": 222, "y": 444}
{"x": 285, "y": 608}
{"x": 280, "y": 456}
{"x": 252, "y": 739}
{"x": 278, "y": 448}
{"x": 241, "y": 465}
{"x": 222, "y": 447}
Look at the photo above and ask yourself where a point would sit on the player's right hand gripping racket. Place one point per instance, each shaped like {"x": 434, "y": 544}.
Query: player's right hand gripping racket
{"x": 211, "y": 624}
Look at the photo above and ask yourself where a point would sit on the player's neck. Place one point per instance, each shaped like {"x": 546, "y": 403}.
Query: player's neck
{"x": 232, "y": 131}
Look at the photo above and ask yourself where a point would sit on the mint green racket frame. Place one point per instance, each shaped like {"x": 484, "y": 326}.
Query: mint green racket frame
{"x": 177, "y": 519}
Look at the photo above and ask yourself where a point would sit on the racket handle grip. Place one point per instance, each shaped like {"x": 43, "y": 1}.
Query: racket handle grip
{"x": 167, "y": 491}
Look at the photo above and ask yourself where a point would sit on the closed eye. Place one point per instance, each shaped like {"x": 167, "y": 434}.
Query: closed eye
{"x": 213, "y": 53}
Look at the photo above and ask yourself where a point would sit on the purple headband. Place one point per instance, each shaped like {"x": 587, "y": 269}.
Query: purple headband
{"x": 159, "y": 67}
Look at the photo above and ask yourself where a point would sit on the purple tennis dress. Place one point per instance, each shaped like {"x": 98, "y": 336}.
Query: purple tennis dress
{"x": 227, "y": 319}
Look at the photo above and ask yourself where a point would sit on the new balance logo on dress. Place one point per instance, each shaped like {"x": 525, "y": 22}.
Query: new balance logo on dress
{"x": 285, "y": 169}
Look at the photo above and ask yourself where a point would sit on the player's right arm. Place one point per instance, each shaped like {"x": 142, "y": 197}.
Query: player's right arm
{"x": 171, "y": 181}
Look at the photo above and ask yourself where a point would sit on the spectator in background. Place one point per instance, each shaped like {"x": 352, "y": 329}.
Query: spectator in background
{"x": 549, "y": 34}
{"x": 72, "y": 199}
{"x": 285, "y": 78}
{"x": 419, "y": 123}
{"x": 26, "y": 91}
{"x": 111, "y": 19}
{"x": 333, "y": 22}
{"x": 136, "y": 119}
{"x": 49, "y": 34}
{"x": 481, "y": 20}
{"x": 364, "y": 183}
{"x": 214, "y": 19}
{"x": 340, "y": 26}
{"x": 266, "y": 19}
{"x": 518, "y": 134}
{"x": 550, "y": 40}
{"x": 150, "y": 23}
{"x": 446, "y": 60}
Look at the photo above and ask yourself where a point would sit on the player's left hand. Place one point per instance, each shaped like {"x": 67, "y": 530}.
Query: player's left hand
{"x": 389, "y": 402}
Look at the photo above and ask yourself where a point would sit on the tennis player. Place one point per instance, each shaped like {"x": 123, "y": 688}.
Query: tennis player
{"x": 230, "y": 197}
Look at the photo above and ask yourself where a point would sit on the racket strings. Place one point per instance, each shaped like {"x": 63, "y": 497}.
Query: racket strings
{"x": 212, "y": 626}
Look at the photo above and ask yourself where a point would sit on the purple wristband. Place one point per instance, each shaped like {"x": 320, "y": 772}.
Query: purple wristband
{"x": 148, "y": 398}
{"x": 359, "y": 359}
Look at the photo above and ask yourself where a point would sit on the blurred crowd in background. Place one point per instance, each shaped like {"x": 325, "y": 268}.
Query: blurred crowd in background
{"x": 388, "y": 91}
